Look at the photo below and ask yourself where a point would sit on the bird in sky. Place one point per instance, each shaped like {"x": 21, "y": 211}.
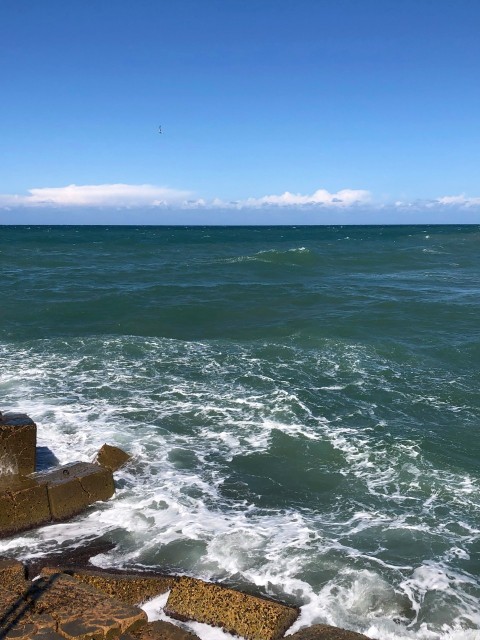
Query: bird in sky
{"x": 160, "y": 129}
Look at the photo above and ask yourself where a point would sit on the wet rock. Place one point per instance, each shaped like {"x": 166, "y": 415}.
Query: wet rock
{"x": 112, "y": 457}
{"x": 234, "y": 611}
{"x": 73, "y": 487}
{"x": 23, "y": 504}
{"x": 326, "y": 632}
{"x": 133, "y": 589}
{"x": 18, "y": 441}
{"x": 78, "y": 557}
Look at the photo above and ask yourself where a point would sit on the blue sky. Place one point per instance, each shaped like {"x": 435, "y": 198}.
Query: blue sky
{"x": 290, "y": 111}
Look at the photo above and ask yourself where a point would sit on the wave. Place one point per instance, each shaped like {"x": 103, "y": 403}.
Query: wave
{"x": 268, "y": 465}
{"x": 300, "y": 256}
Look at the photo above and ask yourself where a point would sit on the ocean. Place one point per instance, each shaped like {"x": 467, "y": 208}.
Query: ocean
{"x": 302, "y": 405}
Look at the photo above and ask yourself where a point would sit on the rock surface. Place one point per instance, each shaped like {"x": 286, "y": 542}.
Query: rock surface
{"x": 111, "y": 457}
{"x": 18, "y": 441}
{"x": 12, "y": 576}
{"x": 160, "y": 630}
{"x": 73, "y": 487}
{"x": 23, "y": 504}
{"x": 236, "y": 612}
{"x": 62, "y": 605}
{"x": 134, "y": 589}
{"x": 27, "y": 502}
{"x": 326, "y": 632}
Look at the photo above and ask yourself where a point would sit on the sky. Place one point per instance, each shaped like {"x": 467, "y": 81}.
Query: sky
{"x": 271, "y": 111}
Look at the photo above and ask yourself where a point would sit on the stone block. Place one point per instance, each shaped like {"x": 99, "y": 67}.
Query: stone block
{"x": 18, "y": 441}
{"x": 21, "y": 631}
{"x": 112, "y": 457}
{"x": 81, "y": 611}
{"x": 23, "y": 504}
{"x": 326, "y": 632}
{"x": 9, "y": 610}
{"x": 161, "y": 630}
{"x": 129, "y": 588}
{"x": 73, "y": 487}
{"x": 47, "y": 634}
{"x": 13, "y": 576}
{"x": 236, "y": 612}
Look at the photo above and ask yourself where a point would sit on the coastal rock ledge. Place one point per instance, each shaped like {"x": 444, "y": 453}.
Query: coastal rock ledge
{"x": 80, "y": 604}
{"x": 76, "y": 603}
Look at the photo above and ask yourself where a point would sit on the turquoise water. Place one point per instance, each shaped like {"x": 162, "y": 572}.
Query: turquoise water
{"x": 302, "y": 403}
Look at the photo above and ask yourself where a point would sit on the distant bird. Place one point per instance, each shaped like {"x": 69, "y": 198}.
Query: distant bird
{"x": 160, "y": 129}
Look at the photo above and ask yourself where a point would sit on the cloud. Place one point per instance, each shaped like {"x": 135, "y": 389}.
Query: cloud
{"x": 147, "y": 195}
{"x": 100, "y": 195}
{"x": 321, "y": 197}
{"x": 458, "y": 201}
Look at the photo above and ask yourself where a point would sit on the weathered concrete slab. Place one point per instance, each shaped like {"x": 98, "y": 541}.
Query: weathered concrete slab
{"x": 11, "y": 609}
{"x": 112, "y": 457}
{"x": 160, "y": 630}
{"x": 81, "y": 611}
{"x": 234, "y": 611}
{"x": 326, "y": 632}
{"x": 73, "y": 487}
{"x": 18, "y": 441}
{"x": 23, "y": 631}
{"x": 133, "y": 589}
{"x": 24, "y": 504}
{"x": 27, "y": 502}
{"x": 13, "y": 576}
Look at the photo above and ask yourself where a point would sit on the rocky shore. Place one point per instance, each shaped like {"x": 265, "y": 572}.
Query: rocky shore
{"x": 57, "y": 600}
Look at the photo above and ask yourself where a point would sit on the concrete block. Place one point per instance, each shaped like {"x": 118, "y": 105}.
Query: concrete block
{"x": 326, "y": 632}
{"x": 234, "y": 611}
{"x": 24, "y": 504}
{"x": 20, "y": 631}
{"x": 12, "y": 576}
{"x": 134, "y": 589}
{"x": 81, "y": 611}
{"x": 161, "y": 630}
{"x": 73, "y": 487}
{"x": 18, "y": 441}
{"x": 112, "y": 457}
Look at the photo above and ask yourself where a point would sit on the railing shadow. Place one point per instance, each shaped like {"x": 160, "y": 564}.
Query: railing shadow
{"x": 23, "y": 607}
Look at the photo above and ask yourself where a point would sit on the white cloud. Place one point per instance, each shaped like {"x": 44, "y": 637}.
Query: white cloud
{"x": 100, "y": 195}
{"x": 321, "y": 197}
{"x": 458, "y": 201}
{"x": 147, "y": 196}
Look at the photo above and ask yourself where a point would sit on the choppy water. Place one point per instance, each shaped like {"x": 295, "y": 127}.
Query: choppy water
{"x": 303, "y": 406}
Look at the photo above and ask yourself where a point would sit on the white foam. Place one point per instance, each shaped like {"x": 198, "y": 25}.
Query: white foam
{"x": 195, "y": 399}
